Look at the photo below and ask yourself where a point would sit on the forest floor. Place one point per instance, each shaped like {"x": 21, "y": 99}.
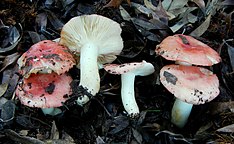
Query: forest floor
{"x": 103, "y": 120}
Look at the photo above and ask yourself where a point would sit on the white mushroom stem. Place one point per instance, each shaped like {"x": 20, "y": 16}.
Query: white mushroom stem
{"x": 182, "y": 63}
{"x": 180, "y": 113}
{"x": 89, "y": 74}
{"x": 128, "y": 94}
{"x": 181, "y": 110}
{"x": 51, "y": 111}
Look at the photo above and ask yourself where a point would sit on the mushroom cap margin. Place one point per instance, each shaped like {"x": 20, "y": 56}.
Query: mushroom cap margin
{"x": 44, "y": 90}
{"x": 187, "y": 49}
{"x": 194, "y": 85}
{"x": 138, "y": 68}
{"x": 45, "y": 57}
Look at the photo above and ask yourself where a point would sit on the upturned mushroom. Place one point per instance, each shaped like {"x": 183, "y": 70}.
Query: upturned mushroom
{"x": 46, "y": 91}
{"x": 128, "y": 72}
{"x": 95, "y": 40}
{"x": 45, "y": 57}
{"x": 186, "y": 50}
{"x": 191, "y": 86}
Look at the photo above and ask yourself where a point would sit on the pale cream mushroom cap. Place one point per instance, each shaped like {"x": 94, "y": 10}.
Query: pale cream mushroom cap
{"x": 102, "y": 32}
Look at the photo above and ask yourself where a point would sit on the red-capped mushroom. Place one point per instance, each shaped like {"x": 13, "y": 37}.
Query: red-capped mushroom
{"x": 128, "y": 72}
{"x": 45, "y": 57}
{"x": 186, "y": 49}
{"x": 44, "y": 90}
{"x": 191, "y": 86}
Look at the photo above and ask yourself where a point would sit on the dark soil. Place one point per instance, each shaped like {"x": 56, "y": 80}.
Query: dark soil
{"x": 103, "y": 119}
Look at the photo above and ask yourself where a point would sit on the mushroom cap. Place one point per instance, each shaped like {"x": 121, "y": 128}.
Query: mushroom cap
{"x": 102, "y": 32}
{"x": 44, "y": 90}
{"x": 45, "y": 57}
{"x": 187, "y": 49}
{"x": 194, "y": 85}
{"x": 138, "y": 68}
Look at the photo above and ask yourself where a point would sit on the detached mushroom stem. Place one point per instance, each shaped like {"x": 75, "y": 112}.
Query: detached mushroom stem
{"x": 88, "y": 68}
{"x": 128, "y": 94}
{"x": 180, "y": 113}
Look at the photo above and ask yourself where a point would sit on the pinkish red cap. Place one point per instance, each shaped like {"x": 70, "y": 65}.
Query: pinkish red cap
{"x": 194, "y": 85}
{"x": 187, "y": 49}
{"x": 44, "y": 90}
{"x": 45, "y": 57}
{"x": 139, "y": 68}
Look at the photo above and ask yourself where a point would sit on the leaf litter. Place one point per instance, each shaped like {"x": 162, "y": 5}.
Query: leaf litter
{"x": 144, "y": 25}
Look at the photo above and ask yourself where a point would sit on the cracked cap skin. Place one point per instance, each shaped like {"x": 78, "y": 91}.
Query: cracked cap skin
{"x": 45, "y": 57}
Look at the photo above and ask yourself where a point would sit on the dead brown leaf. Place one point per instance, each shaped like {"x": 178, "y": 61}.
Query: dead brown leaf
{"x": 13, "y": 37}
{"x": 54, "y": 132}
{"x": 200, "y": 3}
{"x": 10, "y": 59}
{"x": 227, "y": 2}
{"x": 3, "y": 88}
{"x": 125, "y": 15}
{"x": 187, "y": 18}
{"x": 202, "y": 28}
{"x": 21, "y": 139}
{"x": 116, "y": 3}
{"x": 218, "y": 107}
{"x": 137, "y": 135}
{"x": 226, "y": 129}
{"x": 231, "y": 54}
{"x": 23, "y": 132}
{"x": 175, "y": 7}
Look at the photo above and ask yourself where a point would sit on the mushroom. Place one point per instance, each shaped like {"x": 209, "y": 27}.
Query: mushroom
{"x": 46, "y": 91}
{"x": 95, "y": 40}
{"x": 45, "y": 57}
{"x": 190, "y": 85}
{"x": 187, "y": 50}
{"x": 128, "y": 72}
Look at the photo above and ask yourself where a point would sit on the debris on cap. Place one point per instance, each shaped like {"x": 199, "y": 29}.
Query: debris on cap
{"x": 128, "y": 72}
{"x": 194, "y": 85}
{"x": 45, "y": 57}
{"x": 44, "y": 90}
{"x": 187, "y": 49}
{"x": 139, "y": 68}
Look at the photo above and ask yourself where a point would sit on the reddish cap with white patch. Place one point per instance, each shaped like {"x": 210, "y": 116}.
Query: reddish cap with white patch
{"x": 44, "y": 90}
{"x": 187, "y": 49}
{"x": 138, "y": 68}
{"x": 45, "y": 57}
{"x": 194, "y": 85}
